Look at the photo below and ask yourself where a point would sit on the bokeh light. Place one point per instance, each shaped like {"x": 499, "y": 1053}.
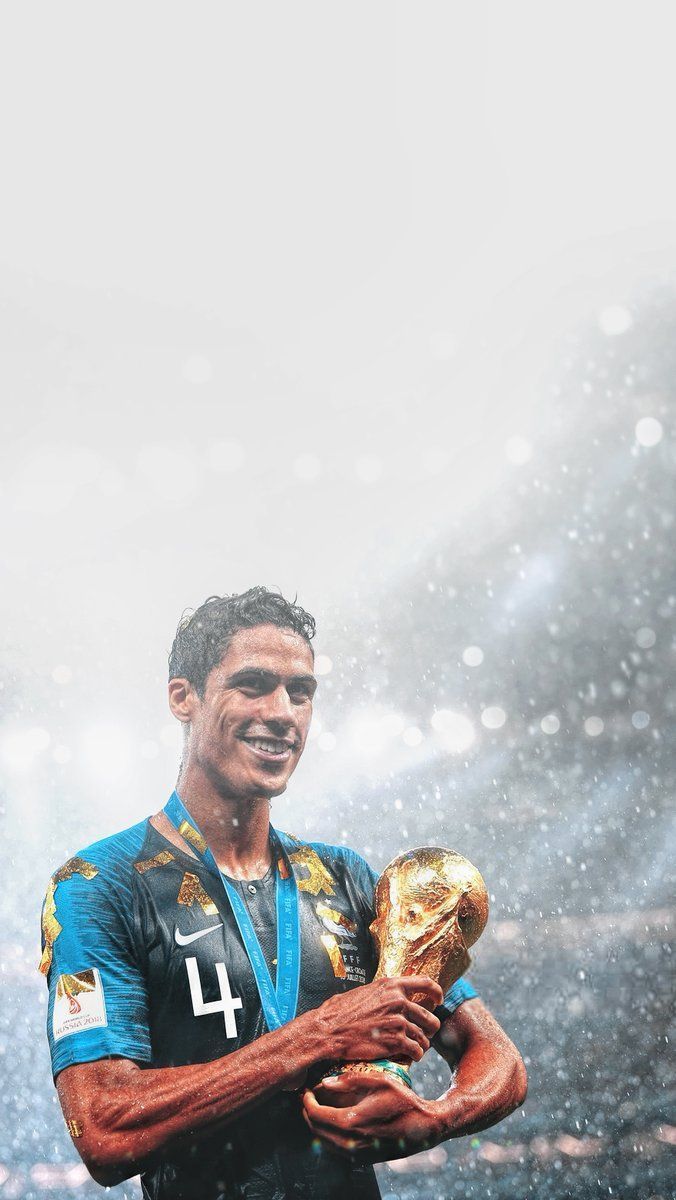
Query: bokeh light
{"x": 456, "y": 731}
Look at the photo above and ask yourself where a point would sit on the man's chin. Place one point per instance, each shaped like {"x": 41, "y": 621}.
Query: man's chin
{"x": 273, "y": 782}
{"x": 271, "y": 791}
{"x": 255, "y": 785}
{"x": 264, "y": 785}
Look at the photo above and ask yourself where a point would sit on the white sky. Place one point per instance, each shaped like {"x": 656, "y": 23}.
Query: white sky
{"x": 279, "y": 281}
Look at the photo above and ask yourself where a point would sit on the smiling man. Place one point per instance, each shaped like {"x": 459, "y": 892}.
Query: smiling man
{"x": 204, "y": 968}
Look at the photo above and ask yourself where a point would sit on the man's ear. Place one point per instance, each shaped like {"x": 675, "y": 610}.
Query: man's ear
{"x": 183, "y": 700}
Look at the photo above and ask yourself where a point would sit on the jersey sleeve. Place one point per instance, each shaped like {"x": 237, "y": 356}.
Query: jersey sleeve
{"x": 459, "y": 991}
{"x": 98, "y": 1005}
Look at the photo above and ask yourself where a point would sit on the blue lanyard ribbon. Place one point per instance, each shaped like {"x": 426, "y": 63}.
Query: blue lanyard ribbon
{"x": 280, "y": 1003}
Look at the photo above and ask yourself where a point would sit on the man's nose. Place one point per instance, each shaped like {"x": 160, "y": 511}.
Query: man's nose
{"x": 277, "y": 707}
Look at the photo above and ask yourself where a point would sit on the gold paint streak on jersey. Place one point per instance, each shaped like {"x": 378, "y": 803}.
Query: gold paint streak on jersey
{"x": 160, "y": 860}
{"x": 318, "y": 878}
{"x": 333, "y": 950}
{"x": 75, "y": 866}
{"x": 191, "y": 892}
{"x": 191, "y": 835}
{"x": 50, "y": 926}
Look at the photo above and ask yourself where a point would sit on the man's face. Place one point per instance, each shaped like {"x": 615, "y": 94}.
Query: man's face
{"x": 249, "y": 731}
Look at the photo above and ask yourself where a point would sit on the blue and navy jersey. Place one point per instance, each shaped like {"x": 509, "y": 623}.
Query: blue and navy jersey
{"x": 144, "y": 959}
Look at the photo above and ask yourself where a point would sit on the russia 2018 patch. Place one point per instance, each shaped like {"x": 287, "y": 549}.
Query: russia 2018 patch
{"x": 79, "y": 1003}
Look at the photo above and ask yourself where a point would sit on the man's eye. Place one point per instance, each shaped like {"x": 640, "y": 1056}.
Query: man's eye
{"x": 299, "y": 694}
{"x": 251, "y": 685}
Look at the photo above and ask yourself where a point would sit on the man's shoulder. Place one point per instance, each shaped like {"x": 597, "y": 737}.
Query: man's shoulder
{"x": 91, "y": 892}
{"x": 110, "y": 860}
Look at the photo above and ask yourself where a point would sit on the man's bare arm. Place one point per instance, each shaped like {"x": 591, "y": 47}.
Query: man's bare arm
{"x": 376, "y": 1118}
{"x": 122, "y": 1116}
{"x": 490, "y": 1081}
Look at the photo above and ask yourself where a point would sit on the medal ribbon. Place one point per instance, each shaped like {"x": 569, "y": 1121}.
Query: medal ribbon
{"x": 280, "y": 1003}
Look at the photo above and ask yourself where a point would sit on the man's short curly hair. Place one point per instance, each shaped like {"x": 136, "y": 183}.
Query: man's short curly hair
{"x": 204, "y": 635}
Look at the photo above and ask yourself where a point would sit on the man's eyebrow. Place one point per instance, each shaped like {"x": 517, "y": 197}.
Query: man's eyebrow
{"x": 303, "y": 679}
{"x": 248, "y": 672}
{"x": 261, "y": 673}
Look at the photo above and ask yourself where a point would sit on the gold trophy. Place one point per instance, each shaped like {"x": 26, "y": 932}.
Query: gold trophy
{"x": 431, "y": 905}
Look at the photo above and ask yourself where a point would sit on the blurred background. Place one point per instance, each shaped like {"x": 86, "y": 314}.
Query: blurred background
{"x": 375, "y": 304}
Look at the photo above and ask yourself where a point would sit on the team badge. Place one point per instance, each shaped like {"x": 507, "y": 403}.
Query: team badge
{"x": 345, "y": 965}
{"x": 336, "y": 922}
{"x": 79, "y": 1003}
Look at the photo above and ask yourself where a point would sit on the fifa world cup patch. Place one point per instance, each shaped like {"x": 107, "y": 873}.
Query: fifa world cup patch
{"x": 79, "y": 1003}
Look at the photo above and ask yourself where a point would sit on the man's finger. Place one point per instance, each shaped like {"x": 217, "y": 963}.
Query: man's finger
{"x": 351, "y": 1090}
{"x": 364, "y": 1083}
{"x": 422, "y": 1017}
{"x": 353, "y": 1117}
{"x": 342, "y": 1142}
{"x": 422, "y": 983}
{"x": 413, "y": 1050}
{"x": 324, "y": 1114}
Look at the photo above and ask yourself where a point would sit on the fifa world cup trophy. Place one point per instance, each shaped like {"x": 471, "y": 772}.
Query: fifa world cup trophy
{"x": 431, "y": 905}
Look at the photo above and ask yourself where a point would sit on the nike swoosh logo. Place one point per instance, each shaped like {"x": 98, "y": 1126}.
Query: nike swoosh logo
{"x": 184, "y": 939}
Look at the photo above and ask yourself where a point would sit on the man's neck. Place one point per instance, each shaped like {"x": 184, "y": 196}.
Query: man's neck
{"x": 237, "y": 829}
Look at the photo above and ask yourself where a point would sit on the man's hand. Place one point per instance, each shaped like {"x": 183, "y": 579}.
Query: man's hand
{"x": 379, "y": 1020}
{"x": 372, "y": 1117}
{"x": 375, "y": 1118}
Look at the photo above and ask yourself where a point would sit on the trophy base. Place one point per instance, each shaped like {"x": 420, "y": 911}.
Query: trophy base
{"x": 378, "y": 1067}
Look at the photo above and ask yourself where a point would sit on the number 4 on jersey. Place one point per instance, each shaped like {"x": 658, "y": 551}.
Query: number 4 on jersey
{"x": 227, "y": 1003}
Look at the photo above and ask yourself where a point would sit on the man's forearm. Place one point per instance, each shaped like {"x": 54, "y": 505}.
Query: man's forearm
{"x": 123, "y": 1117}
{"x": 486, "y": 1089}
{"x": 490, "y": 1082}
{"x": 129, "y": 1115}
{"x": 375, "y": 1117}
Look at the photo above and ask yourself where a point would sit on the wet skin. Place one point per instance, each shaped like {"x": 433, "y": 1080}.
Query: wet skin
{"x": 246, "y": 736}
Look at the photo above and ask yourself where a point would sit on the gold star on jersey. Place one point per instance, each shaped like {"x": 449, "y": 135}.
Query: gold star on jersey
{"x": 191, "y": 892}
{"x": 318, "y": 878}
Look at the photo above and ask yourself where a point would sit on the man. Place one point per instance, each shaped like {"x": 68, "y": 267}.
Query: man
{"x": 205, "y": 969}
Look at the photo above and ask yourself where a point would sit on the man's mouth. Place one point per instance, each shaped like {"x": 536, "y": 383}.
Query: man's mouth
{"x": 270, "y": 749}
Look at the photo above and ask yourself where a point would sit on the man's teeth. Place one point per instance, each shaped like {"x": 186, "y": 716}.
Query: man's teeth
{"x": 271, "y": 747}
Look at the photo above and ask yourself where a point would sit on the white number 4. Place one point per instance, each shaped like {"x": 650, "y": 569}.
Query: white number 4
{"x": 227, "y": 1003}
